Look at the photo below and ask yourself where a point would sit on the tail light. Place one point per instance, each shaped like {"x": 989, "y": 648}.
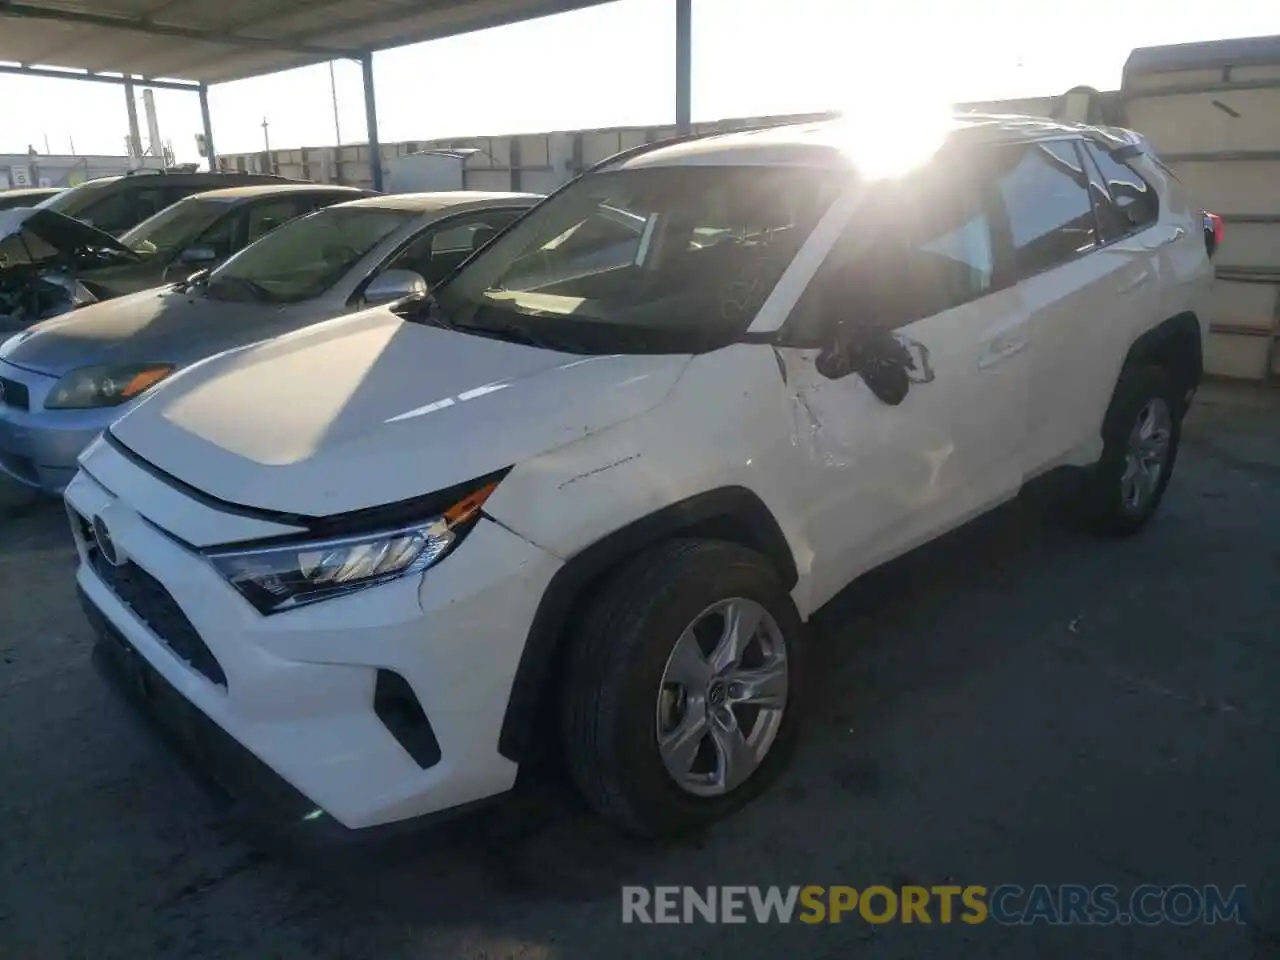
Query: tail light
{"x": 1212, "y": 232}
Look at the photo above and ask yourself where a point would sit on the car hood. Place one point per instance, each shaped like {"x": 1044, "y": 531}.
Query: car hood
{"x": 64, "y": 234}
{"x": 159, "y": 325}
{"x": 371, "y": 409}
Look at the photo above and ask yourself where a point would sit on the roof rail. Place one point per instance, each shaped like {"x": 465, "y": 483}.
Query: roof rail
{"x": 644, "y": 148}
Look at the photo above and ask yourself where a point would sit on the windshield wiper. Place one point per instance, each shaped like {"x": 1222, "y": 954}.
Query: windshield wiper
{"x": 198, "y": 279}
{"x": 512, "y": 333}
{"x": 424, "y": 308}
{"x": 255, "y": 290}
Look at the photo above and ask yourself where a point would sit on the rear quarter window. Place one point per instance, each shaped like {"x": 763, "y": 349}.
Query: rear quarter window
{"x": 1136, "y": 204}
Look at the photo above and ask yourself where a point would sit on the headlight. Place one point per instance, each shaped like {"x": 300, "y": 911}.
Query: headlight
{"x": 105, "y": 386}
{"x": 282, "y": 577}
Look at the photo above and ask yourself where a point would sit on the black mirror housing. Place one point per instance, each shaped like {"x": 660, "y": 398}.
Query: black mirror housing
{"x": 199, "y": 255}
{"x": 876, "y": 355}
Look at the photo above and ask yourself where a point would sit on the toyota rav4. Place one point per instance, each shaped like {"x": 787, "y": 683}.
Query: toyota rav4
{"x": 587, "y": 492}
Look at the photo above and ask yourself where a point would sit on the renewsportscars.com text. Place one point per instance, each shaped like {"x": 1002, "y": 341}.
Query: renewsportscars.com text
{"x": 1009, "y": 904}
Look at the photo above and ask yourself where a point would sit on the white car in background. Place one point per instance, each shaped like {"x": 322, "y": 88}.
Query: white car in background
{"x": 385, "y": 560}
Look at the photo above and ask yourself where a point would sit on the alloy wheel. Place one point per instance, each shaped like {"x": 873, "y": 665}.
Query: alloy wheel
{"x": 722, "y": 697}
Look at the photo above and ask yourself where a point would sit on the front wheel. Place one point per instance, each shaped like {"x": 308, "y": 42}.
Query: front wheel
{"x": 1140, "y": 446}
{"x": 684, "y": 687}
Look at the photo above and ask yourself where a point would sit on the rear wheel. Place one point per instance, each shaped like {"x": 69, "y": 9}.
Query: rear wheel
{"x": 683, "y": 687}
{"x": 1140, "y": 446}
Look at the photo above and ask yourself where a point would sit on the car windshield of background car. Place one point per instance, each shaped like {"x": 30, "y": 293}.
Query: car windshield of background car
{"x": 305, "y": 257}
{"x": 175, "y": 227}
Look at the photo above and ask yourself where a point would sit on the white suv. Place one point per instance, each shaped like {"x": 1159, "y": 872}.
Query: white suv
{"x": 588, "y": 492}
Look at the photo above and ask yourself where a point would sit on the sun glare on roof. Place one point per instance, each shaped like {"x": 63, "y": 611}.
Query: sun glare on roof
{"x": 889, "y": 140}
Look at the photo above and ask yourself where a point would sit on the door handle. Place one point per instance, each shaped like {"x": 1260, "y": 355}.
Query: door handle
{"x": 1001, "y": 348}
{"x": 1178, "y": 234}
{"x": 1136, "y": 282}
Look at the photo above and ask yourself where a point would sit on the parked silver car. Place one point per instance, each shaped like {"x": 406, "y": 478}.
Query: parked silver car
{"x": 64, "y": 380}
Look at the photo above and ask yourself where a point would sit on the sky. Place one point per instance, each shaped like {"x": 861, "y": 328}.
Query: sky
{"x": 614, "y": 65}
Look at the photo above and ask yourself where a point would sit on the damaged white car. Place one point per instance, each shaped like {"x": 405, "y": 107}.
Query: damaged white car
{"x": 585, "y": 496}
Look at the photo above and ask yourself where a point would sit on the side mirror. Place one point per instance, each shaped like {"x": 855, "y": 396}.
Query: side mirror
{"x": 199, "y": 255}
{"x": 876, "y": 355}
{"x": 394, "y": 285}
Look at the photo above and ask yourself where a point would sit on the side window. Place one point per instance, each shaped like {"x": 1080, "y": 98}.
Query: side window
{"x": 172, "y": 194}
{"x": 932, "y": 250}
{"x": 1135, "y": 204}
{"x": 435, "y": 252}
{"x": 114, "y": 213}
{"x": 266, "y": 216}
{"x": 151, "y": 201}
{"x": 1045, "y": 191}
{"x": 222, "y": 235}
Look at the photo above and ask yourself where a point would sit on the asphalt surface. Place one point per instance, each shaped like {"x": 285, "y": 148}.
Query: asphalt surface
{"x": 1019, "y": 704}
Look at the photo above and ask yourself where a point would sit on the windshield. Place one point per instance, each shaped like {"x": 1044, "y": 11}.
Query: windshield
{"x": 175, "y": 227}
{"x": 304, "y": 257}
{"x": 650, "y": 260}
{"x": 72, "y": 202}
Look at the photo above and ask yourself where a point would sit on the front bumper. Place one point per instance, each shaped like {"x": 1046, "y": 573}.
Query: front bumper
{"x": 297, "y": 690}
{"x": 38, "y": 447}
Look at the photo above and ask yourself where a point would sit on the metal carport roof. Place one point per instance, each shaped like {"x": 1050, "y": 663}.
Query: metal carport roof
{"x": 190, "y": 44}
{"x": 208, "y": 42}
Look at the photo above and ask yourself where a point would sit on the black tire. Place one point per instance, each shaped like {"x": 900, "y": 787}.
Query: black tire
{"x": 1103, "y": 506}
{"x": 615, "y": 670}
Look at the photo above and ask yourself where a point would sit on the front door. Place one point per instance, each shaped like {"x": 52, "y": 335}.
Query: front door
{"x": 889, "y": 468}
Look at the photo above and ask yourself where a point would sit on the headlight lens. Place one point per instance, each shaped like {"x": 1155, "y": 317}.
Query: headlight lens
{"x": 105, "y": 386}
{"x": 280, "y": 578}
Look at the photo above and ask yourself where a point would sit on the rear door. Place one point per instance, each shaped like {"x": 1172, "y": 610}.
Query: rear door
{"x": 1132, "y": 228}
{"x": 1076, "y": 288}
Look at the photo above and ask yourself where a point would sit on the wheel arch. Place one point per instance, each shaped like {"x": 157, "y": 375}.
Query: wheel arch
{"x": 735, "y": 514}
{"x": 1175, "y": 345}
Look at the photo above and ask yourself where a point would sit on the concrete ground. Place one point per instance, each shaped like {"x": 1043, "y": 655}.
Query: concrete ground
{"x": 1019, "y": 704}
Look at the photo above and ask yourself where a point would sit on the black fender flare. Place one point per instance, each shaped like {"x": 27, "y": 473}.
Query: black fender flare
{"x": 730, "y": 513}
{"x": 1176, "y": 344}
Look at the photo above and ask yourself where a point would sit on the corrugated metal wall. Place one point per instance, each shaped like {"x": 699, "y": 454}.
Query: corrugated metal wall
{"x": 1219, "y": 130}
{"x": 538, "y": 162}
{"x": 62, "y": 170}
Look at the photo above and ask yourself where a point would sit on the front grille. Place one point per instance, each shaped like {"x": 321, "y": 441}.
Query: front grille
{"x": 154, "y": 605}
{"x": 208, "y": 752}
{"x": 14, "y": 394}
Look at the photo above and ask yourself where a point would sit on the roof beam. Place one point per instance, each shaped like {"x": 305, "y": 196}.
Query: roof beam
{"x": 27, "y": 11}
{"x": 389, "y": 17}
{"x": 25, "y": 71}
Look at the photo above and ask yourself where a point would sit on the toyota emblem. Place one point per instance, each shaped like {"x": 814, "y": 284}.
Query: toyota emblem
{"x": 106, "y": 545}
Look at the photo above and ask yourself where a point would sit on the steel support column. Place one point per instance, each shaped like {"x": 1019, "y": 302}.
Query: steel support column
{"x": 135, "y": 137}
{"x": 371, "y": 118}
{"x": 210, "y": 153}
{"x": 684, "y": 65}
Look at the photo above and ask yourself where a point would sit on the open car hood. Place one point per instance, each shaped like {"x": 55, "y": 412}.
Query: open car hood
{"x": 32, "y": 235}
